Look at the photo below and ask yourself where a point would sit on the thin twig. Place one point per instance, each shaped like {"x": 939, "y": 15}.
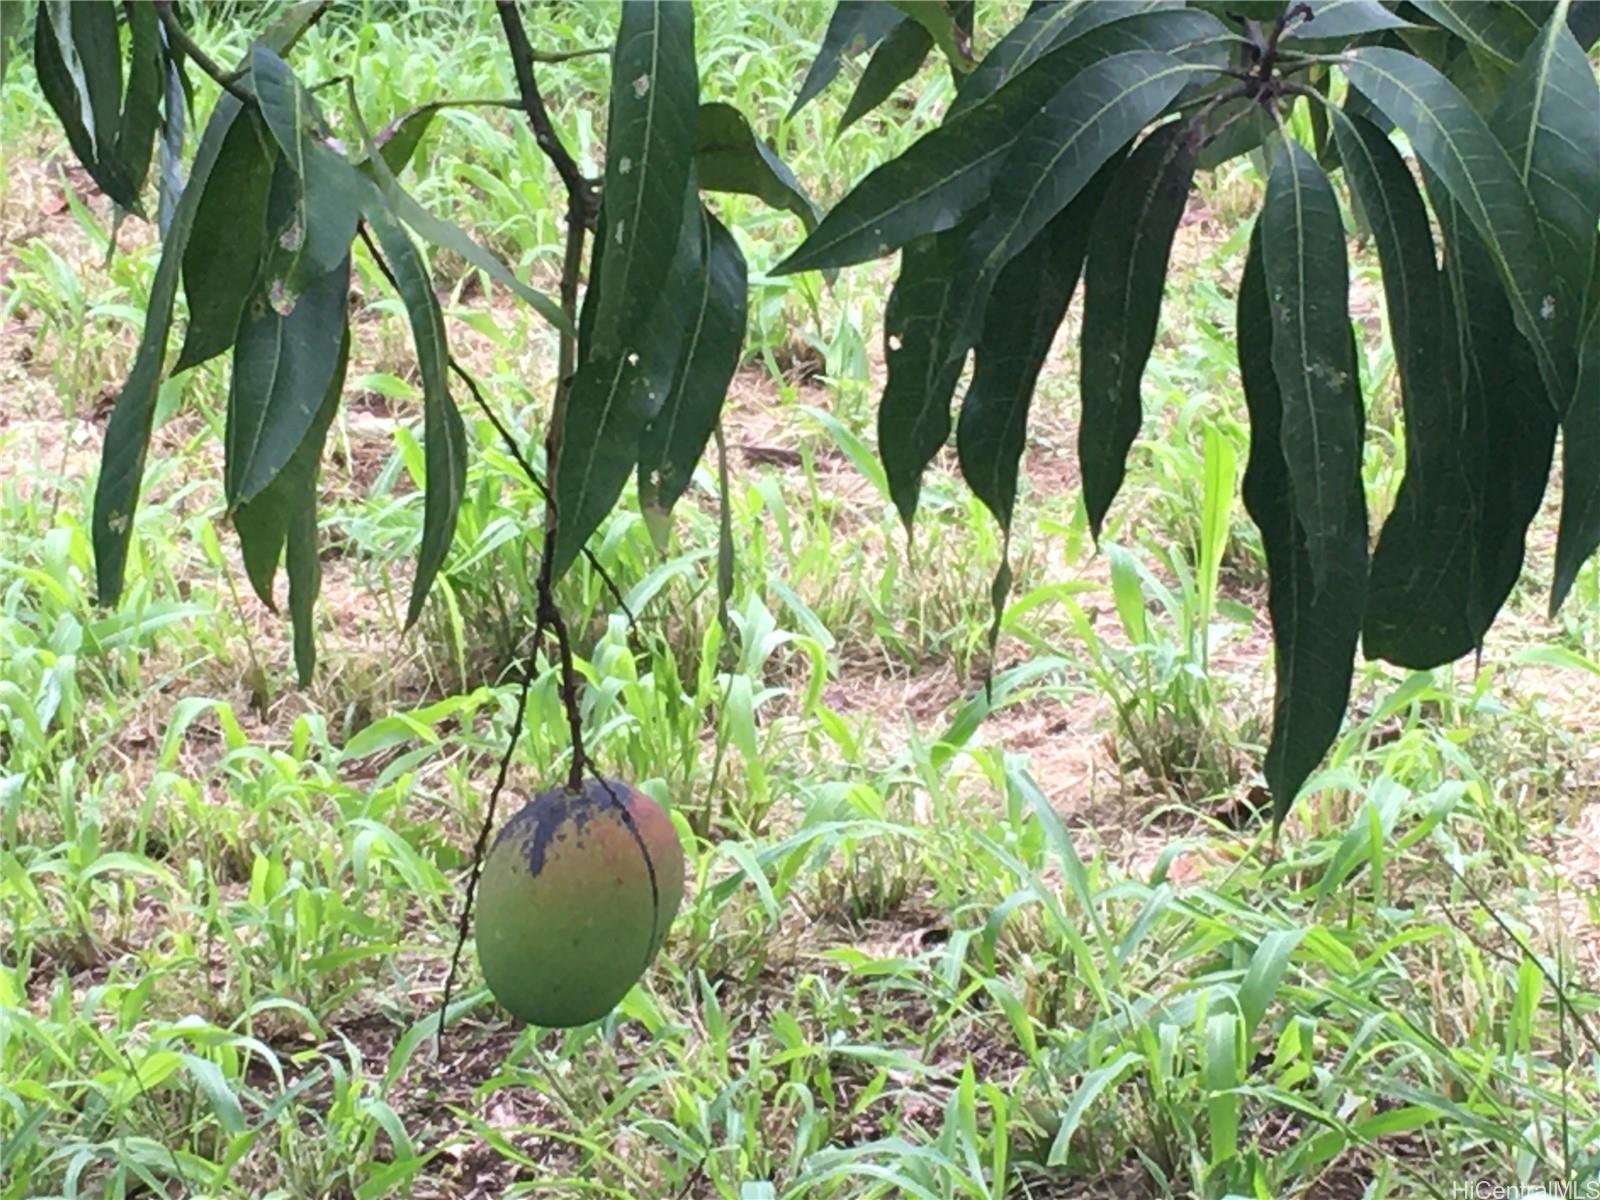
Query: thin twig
{"x": 581, "y": 210}
{"x": 510, "y": 443}
{"x": 179, "y": 36}
{"x": 464, "y": 917}
{"x": 580, "y": 191}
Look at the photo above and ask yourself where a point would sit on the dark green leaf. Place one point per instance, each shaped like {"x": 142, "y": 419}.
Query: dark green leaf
{"x": 613, "y": 400}
{"x": 1057, "y": 153}
{"x": 729, "y": 157}
{"x": 1344, "y": 19}
{"x": 938, "y": 18}
{"x": 1420, "y": 595}
{"x": 399, "y": 140}
{"x": 330, "y": 189}
{"x": 65, "y": 82}
{"x": 141, "y": 106}
{"x": 128, "y": 432}
{"x": 1314, "y": 628}
{"x": 449, "y": 236}
{"x": 1040, "y": 31}
{"x": 713, "y": 334}
{"x": 283, "y": 361}
{"x": 1580, "y": 476}
{"x": 127, "y": 438}
{"x": 855, "y": 27}
{"x": 1501, "y": 32}
{"x": 304, "y": 562}
{"x": 1497, "y": 369}
{"x": 1026, "y": 309}
{"x": 1302, "y": 250}
{"x": 263, "y": 522}
{"x": 228, "y": 243}
{"x": 948, "y": 173}
{"x": 896, "y": 60}
{"x": 1548, "y": 119}
{"x": 444, "y": 436}
{"x": 1453, "y": 141}
{"x": 1123, "y": 282}
{"x": 1583, "y": 18}
{"x": 649, "y": 153}
{"x": 86, "y": 31}
{"x": 923, "y": 365}
{"x": 1237, "y": 127}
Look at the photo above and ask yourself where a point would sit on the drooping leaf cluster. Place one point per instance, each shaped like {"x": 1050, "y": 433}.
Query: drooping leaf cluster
{"x": 261, "y": 245}
{"x": 1067, "y": 157}
{"x": 1465, "y": 135}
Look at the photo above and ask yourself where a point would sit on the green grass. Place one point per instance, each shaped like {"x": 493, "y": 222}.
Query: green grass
{"x": 937, "y": 943}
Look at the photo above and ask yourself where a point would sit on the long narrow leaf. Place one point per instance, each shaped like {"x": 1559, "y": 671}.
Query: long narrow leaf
{"x": 1314, "y": 630}
{"x": 650, "y": 138}
{"x": 1057, "y": 153}
{"x": 1420, "y": 600}
{"x": 444, "y": 436}
{"x": 1123, "y": 282}
{"x": 950, "y": 172}
{"x": 714, "y": 334}
{"x": 1455, "y": 143}
{"x": 1302, "y": 248}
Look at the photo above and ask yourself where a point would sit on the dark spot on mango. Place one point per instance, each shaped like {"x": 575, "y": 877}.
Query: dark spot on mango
{"x": 575, "y": 900}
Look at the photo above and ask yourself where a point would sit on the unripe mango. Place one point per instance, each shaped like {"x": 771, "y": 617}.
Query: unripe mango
{"x": 576, "y": 898}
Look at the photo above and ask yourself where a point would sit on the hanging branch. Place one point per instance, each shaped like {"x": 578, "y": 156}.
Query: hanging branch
{"x": 582, "y": 210}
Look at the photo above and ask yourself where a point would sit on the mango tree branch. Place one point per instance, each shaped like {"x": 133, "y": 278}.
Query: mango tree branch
{"x": 178, "y": 36}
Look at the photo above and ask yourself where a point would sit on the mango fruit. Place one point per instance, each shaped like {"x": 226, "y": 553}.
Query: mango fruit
{"x": 576, "y": 897}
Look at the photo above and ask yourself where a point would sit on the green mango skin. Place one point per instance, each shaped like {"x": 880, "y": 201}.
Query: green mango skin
{"x": 576, "y": 897}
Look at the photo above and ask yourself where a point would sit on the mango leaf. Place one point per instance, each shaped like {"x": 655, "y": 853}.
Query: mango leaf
{"x": 330, "y": 190}
{"x": 923, "y": 365}
{"x": 283, "y": 361}
{"x": 228, "y": 243}
{"x": 1314, "y": 628}
{"x": 1579, "y": 531}
{"x": 1045, "y": 27}
{"x": 1452, "y": 140}
{"x": 729, "y": 157}
{"x": 1027, "y": 307}
{"x": 949, "y": 173}
{"x": 78, "y": 62}
{"x": 1344, "y": 19}
{"x": 1057, "y": 153}
{"x": 1548, "y": 119}
{"x": 449, "y": 236}
{"x": 897, "y": 59}
{"x": 128, "y": 432}
{"x": 444, "y": 436}
{"x": 127, "y": 438}
{"x": 1420, "y": 594}
{"x": 940, "y": 20}
{"x": 1302, "y": 250}
{"x": 1500, "y": 32}
{"x": 1236, "y": 127}
{"x": 714, "y": 334}
{"x": 141, "y": 104}
{"x": 855, "y": 27}
{"x": 398, "y": 140}
{"x": 1497, "y": 369}
{"x": 649, "y": 153}
{"x": 1123, "y": 282}
{"x": 613, "y": 400}
{"x": 285, "y": 512}
{"x": 1583, "y": 18}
